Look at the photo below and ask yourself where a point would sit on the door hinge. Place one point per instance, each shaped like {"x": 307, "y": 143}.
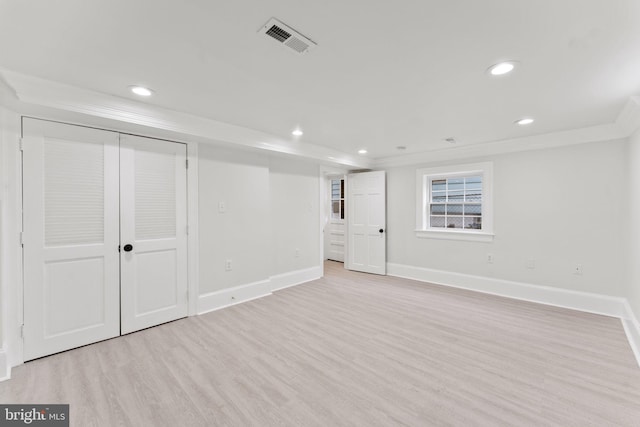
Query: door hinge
{"x": 186, "y": 164}
{"x": 21, "y": 141}
{"x": 21, "y": 331}
{"x": 22, "y": 238}
{"x": 187, "y": 229}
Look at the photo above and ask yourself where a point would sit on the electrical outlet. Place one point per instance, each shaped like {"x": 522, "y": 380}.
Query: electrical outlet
{"x": 227, "y": 265}
{"x": 531, "y": 263}
{"x": 578, "y": 270}
{"x": 222, "y": 207}
{"x": 297, "y": 253}
{"x": 489, "y": 258}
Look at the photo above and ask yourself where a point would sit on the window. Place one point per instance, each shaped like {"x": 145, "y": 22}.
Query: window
{"x": 455, "y": 202}
{"x": 337, "y": 199}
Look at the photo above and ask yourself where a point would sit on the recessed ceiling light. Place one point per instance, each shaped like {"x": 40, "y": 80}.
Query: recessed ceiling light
{"x": 297, "y": 132}
{"x": 363, "y": 151}
{"x": 141, "y": 90}
{"x": 401, "y": 147}
{"x": 450, "y": 140}
{"x": 524, "y": 122}
{"x": 502, "y": 68}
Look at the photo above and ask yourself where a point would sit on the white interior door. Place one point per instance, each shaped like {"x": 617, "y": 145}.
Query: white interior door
{"x": 70, "y": 203}
{"x": 153, "y": 195}
{"x": 366, "y": 243}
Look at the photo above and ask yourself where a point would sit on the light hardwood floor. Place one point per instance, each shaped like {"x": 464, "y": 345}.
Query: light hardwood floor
{"x": 351, "y": 349}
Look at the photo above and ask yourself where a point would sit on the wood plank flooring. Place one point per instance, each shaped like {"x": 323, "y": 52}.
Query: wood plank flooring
{"x": 351, "y": 349}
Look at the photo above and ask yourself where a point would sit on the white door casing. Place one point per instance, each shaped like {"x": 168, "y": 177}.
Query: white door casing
{"x": 154, "y": 222}
{"x": 70, "y": 203}
{"x": 366, "y": 243}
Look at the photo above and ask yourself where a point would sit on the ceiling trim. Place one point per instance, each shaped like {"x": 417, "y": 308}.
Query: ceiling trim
{"x": 629, "y": 118}
{"x": 39, "y": 92}
{"x": 19, "y": 90}
{"x": 8, "y": 96}
{"x": 627, "y": 122}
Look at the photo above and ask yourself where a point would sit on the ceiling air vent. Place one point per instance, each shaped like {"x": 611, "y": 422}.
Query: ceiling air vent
{"x": 287, "y": 36}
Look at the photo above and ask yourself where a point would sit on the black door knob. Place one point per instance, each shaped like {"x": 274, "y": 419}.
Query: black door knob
{"x": 381, "y": 230}
{"x": 128, "y": 248}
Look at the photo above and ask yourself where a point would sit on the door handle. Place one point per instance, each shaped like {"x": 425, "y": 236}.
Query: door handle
{"x": 381, "y": 231}
{"x": 128, "y": 247}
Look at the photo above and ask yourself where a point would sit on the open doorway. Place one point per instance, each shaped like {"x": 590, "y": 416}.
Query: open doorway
{"x": 335, "y": 228}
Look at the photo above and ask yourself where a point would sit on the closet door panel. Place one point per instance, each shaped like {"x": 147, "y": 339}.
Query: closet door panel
{"x": 154, "y": 223}
{"x": 70, "y": 204}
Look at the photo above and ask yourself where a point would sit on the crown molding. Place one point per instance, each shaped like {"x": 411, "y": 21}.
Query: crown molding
{"x": 8, "y": 96}
{"x": 35, "y": 92}
{"x": 24, "y": 93}
{"x": 627, "y": 122}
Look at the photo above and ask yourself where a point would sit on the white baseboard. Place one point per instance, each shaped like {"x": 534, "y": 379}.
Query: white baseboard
{"x": 632, "y": 329}
{"x": 228, "y": 297}
{"x": 296, "y": 277}
{"x": 5, "y": 367}
{"x": 236, "y": 295}
{"x": 582, "y": 301}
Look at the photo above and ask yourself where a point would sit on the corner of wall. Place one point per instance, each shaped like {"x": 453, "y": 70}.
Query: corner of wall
{"x": 8, "y": 228}
{"x": 293, "y": 278}
{"x": 10, "y": 250}
{"x": 631, "y": 323}
{"x": 5, "y": 368}
{"x": 632, "y": 329}
{"x": 231, "y": 296}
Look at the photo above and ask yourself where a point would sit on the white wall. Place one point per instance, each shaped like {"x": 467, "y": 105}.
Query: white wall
{"x": 10, "y": 253}
{"x": 3, "y": 236}
{"x": 633, "y": 256}
{"x": 239, "y": 179}
{"x": 295, "y": 214}
{"x": 270, "y": 227}
{"x": 561, "y": 207}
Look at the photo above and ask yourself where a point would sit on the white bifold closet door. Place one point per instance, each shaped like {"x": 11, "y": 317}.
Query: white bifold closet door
{"x": 87, "y": 194}
{"x": 71, "y": 237}
{"x": 153, "y": 221}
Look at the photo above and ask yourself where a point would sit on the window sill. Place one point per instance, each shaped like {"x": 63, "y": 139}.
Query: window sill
{"x": 470, "y": 236}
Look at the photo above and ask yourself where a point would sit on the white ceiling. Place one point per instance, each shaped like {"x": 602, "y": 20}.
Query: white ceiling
{"x": 383, "y": 74}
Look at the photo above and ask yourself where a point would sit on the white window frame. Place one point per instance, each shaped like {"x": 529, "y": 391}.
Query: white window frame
{"x": 423, "y": 198}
